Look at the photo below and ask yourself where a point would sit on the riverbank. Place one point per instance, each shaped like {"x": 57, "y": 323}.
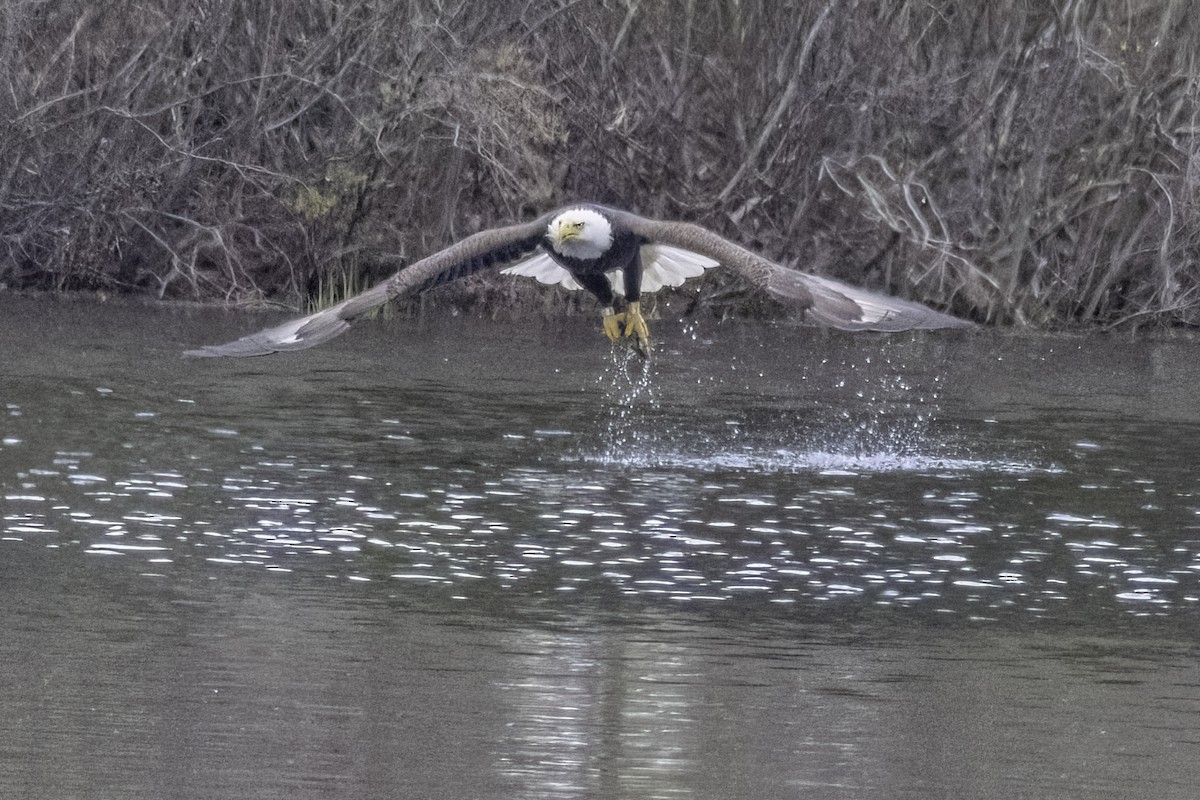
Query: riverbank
{"x": 1010, "y": 163}
{"x": 530, "y": 303}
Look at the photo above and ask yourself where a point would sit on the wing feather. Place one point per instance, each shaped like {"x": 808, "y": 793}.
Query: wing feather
{"x": 674, "y": 265}
{"x": 541, "y": 267}
{"x": 822, "y": 300}
{"x": 484, "y": 250}
{"x": 662, "y": 265}
{"x": 841, "y": 305}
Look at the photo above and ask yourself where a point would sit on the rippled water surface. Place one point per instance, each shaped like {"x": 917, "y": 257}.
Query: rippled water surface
{"x": 470, "y": 559}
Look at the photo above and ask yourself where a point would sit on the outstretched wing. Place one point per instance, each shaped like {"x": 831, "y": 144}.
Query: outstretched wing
{"x": 662, "y": 265}
{"x": 823, "y": 300}
{"x": 483, "y": 250}
{"x": 840, "y": 305}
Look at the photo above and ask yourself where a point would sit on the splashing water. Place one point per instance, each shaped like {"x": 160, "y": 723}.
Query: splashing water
{"x": 880, "y": 420}
{"x": 884, "y": 420}
{"x": 630, "y": 401}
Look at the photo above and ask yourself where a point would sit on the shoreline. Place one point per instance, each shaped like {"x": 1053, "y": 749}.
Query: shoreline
{"x": 547, "y": 305}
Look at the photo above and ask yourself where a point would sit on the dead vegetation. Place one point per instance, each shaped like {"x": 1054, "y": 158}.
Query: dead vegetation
{"x": 1016, "y": 162}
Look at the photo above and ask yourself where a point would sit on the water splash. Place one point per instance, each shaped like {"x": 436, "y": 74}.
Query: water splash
{"x": 768, "y": 460}
{"x": 873, "y": 416}
{"x": 886, "y": 411}
{"x": 630, "y": 403}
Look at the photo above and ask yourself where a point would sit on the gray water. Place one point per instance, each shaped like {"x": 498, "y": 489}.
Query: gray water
{"x": 477, "y": 560}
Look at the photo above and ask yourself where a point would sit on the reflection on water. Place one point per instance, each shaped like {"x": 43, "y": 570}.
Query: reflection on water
{"x": 773, "y": 561}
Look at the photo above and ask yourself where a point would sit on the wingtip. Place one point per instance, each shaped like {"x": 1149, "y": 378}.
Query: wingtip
{"x": 236, "y": 349}
{"x": 839, "y": 305}
{"x": 922, "y": 319}
{"x": 200, "y": 352}
{"x": 296, "y": 334}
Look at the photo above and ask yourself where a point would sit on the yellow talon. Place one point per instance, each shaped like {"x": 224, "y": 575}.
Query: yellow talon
{"x": 612, "y": 324}
{"x": 635, "y": 323}
{"x": 629, "y": 324}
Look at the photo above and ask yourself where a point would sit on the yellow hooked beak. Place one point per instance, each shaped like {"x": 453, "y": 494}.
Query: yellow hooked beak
{"x": 568, "y": 231}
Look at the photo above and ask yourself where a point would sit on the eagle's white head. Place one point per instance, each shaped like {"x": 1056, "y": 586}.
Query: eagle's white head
{"x": 580, "y": 233}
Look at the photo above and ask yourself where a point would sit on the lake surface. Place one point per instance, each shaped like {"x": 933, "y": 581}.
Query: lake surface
{"x": 478, "y": 560}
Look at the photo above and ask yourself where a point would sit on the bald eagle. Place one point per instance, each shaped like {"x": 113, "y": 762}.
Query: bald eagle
{"x": 609, "y": 253}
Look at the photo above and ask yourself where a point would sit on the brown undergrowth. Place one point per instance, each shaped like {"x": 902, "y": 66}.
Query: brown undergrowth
{"x": 1015, "y": 162}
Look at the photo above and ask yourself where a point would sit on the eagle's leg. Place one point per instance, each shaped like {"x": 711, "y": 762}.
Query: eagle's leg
{"x": 598, "y": 285}
{"x": 628, "y": 324}
{"x": 635, "y": 323}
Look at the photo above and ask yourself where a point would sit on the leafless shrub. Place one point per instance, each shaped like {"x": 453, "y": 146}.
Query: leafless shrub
{"x": 1014, "y": 161}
